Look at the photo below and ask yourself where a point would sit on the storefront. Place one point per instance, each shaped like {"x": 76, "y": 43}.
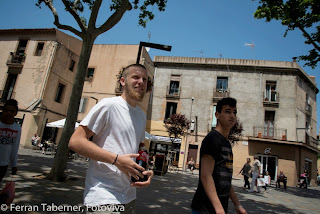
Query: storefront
{"x": 290, "y": 157}
{"x": 165, "y": 153}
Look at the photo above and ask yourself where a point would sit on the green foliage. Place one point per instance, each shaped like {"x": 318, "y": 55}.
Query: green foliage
{"x": 145, "y": 7}
{"x": 236, "y": 132}
{"x": 177, "y": 125}
{"x": 301, "y": 14}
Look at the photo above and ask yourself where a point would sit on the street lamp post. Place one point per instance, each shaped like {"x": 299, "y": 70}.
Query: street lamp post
{"x": 186, "y": 144}
{"x": 152, "y": 45}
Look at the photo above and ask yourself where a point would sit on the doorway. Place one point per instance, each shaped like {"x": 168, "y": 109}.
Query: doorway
{"x": 269, "y": 163}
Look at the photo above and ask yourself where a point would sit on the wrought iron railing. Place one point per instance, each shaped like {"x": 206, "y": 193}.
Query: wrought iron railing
{"x": 16, "y": 58}
{"x": 270, "y": 132}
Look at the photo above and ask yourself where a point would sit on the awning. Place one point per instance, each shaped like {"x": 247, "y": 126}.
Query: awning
{"x": 166, "y": 139}
{"x": 59, "y": 124}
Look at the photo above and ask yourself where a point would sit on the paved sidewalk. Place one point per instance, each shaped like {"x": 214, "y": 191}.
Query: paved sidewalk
{"x": 168, "y": 194}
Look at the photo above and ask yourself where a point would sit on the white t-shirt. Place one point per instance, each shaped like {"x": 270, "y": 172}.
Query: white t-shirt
{"x": 118, "y": 128}
{"x": 266, "y": 179}
{"x": 255, "y": 166}
{"x": 9, "y": 144}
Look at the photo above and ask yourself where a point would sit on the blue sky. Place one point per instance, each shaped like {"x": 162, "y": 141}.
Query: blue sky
{"x": 212, "y": 27}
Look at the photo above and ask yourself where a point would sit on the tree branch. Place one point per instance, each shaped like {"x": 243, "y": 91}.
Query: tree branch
{"x": 75, "y": 15}
{"x": 56, "y": 19}
{"x": 305, "y": 34}
{"x": 94, "y": 14}
{"x": 115, "y": 17}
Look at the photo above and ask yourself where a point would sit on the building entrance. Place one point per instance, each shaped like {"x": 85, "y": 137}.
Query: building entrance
{"x": 269, "y": 163}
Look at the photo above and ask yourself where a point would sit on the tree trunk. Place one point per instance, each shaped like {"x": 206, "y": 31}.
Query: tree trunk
{"x": 61, "y": 158}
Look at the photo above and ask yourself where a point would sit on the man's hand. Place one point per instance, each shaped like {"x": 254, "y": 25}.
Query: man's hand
{"x": 240, "y": 210}
{"x": 130, "y": 168}
{"x": 149, "y": 173}
{"x": 14, "y": 170}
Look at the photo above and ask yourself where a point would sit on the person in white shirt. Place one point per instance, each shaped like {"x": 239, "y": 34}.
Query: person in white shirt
{"x": 118, "y": 126}
{"x": 10, "y": 133}
{"x": 267, "y": 180}
{"x": 255, "y": 173}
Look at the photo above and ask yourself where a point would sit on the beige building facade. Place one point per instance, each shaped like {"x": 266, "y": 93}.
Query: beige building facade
{"x": 276, "y": 105}
{"x": 37, "y": 68}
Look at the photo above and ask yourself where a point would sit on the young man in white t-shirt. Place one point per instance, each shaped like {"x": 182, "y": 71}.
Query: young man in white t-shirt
{"x": 118, "y": 126}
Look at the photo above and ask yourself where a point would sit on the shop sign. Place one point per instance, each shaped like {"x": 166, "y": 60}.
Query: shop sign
{"x": 267, "y": 151}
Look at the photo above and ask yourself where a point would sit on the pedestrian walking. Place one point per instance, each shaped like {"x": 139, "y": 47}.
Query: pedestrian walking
{"x": 255, "y": 173}
{"x": 246, "y": 173}
{"x": 216, "y": 161}
{"x": 117, "y": 125}
{"x": 10, "y": 133}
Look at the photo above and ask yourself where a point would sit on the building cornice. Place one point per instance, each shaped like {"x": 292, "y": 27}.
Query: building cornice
{"x": 239, "y": 64}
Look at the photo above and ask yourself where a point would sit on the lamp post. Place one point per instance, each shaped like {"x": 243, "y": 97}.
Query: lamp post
{"x": 152, "y": 45}
{"x": 186, "y": 144}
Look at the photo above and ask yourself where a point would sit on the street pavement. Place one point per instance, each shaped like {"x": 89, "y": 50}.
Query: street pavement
{"x": 168, "y": 194}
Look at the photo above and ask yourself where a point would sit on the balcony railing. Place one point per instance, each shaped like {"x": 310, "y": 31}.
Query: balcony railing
{"x": 309, "y": 109}
{"x": 311, "y": 141}
{"x": 16, "y": 59}
{"x": 219, "y": 94}
{"x": 270, "y": 132}
{"x": 173, "y": 92}
{"x": 6, "y": 95}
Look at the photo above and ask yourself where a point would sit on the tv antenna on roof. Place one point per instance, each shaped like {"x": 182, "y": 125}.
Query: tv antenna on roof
{"x": 201, "y": 52}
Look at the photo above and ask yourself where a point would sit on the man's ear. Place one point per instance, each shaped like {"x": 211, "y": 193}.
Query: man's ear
{"x": 217, "y": 114}
{"x": 122, "y": 81}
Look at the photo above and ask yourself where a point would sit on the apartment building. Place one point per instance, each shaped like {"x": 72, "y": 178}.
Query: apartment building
{"x": 38, "y": 66}
{"x": 276, "y": 105}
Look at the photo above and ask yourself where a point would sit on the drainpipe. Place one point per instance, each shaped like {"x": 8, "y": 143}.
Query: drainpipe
{"x": 48, "y": 70}
{"x": 260, "y": 91}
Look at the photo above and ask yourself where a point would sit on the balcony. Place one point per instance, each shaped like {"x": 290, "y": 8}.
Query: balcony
{"x": 270, "y": 133}
{"x": 271, "y": 99}
{"x": 16, "y": 59}
{"x": 6, "y": 95}
{"x": 309, "y": 109}
{"x": 218, "y": 94}
{"x": 173, "y": 93}
{"x": 311, "y": 141}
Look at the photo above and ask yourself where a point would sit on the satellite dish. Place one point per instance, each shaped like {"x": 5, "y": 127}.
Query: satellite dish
{"x": 148, "y": 49}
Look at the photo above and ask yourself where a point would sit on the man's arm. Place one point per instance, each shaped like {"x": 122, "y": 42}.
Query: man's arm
{"x": 80, "y": 144}
{"x": 207, "y": 167}
{"x": 236, "y": 202}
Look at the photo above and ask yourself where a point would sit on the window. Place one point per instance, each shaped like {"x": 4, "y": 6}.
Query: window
{"x": 271, "y": 91}
{"x": 222, "y": 84}
{"x": 214, "y": 119}
{"x": 174, "y": 87}
{"x": 72, "y": 63}
{"x": 39, "y": 49}
{"x": 90, "y": 73}
{"x": 308, "y": 124}
{"x": 22, "y": 46}
{"x": 59, "y": 93}
{"x": 82, "y": 107}
{"x": 170, "y": 109}
{"x": 7, "y": 92}
{"x": 269, "y": 123}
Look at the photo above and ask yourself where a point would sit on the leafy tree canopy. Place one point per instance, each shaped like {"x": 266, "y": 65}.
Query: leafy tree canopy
{"x": 301, "y": 14}
{"x": 176, "y": 125}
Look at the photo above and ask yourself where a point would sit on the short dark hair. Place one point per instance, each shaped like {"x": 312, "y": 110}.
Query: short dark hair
{"x": 226, "y": 101}
{"x": 125, "y": 71}
{"x": 11, "y": 102}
